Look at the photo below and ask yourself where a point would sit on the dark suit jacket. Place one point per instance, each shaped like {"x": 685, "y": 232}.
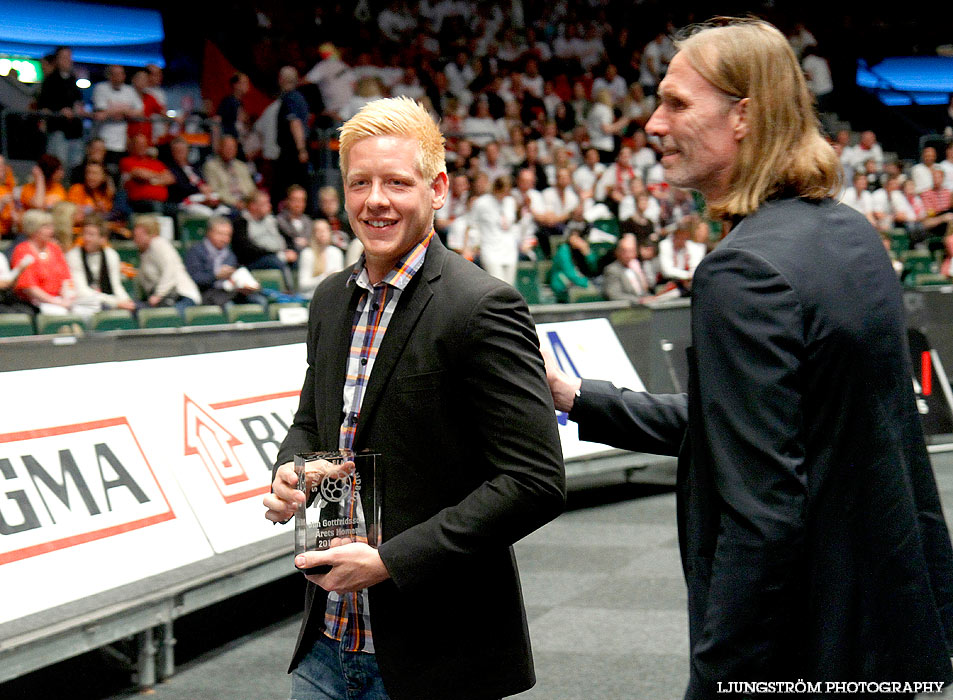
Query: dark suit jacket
{"x": 811, "y": 533}
{"x": 201, "y": 268}
{"x": 459, "y": 409}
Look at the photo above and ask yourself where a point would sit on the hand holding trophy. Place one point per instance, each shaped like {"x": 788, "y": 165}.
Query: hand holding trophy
{"x": 342, "y": 502}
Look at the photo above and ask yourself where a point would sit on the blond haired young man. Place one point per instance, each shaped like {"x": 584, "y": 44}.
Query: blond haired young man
{"x": 812, "y": 538}
{"x": 435, "y": 365}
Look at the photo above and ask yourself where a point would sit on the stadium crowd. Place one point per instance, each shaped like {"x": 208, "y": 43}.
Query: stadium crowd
{"x": 550, "y": 168}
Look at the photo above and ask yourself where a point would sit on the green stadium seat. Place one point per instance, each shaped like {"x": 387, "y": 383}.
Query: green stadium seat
{"x": 610, "y": 226}
{"x": 543, "y": 268}
{"x": 191, "y": 229}
{"x": 113, "y": 320}
{"x": 527, "y": 282}
{"x": 246, "y": 313}
{"x": 929, "y": 279}
{"x": 579, "y": 295}
{"x": 916, "y": 262}
{"x": 128, "y": 252}
{"x": 52, "y": 323}
{"x": 15, "y": 324}
{"x": 270, "y": 279}
{"x": 163, "y": 317}
{"x": 204, "y": 316}
{"x": 899, "y": 241}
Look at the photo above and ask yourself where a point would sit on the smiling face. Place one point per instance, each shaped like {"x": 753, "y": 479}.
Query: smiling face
{"x": 93, "y": 239}
{"x": 388, "y": 202}
{"x": 700, "y": 128}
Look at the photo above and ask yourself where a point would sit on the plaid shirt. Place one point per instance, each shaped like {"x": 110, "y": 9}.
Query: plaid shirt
{"x": 347, "y": 617}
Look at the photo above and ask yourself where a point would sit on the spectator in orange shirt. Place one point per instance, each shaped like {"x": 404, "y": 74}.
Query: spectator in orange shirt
{"x": 145, "y": 178}
{"x": 9, "y": 214}
{"x": 94, "y": 195}
{"x": 47, "y": 186}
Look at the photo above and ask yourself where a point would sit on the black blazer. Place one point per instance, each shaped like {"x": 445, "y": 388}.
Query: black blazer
{"x": 812, "y": 538}
{"x": 459, "y": 409}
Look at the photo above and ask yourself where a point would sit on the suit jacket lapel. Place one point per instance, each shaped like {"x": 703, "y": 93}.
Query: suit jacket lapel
{"x": 413, "y": 300}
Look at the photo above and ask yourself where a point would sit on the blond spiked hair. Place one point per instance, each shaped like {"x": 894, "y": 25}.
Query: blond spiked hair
{"x": 397, "y": 116}
{"x": 783, "y": 153}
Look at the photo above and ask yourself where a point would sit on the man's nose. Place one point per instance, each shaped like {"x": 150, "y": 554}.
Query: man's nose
{"x": 656, "y": 126}
{"x": 377, "y": 198}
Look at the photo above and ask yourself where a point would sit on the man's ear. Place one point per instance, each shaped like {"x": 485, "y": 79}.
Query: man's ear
{"x": 740, "y": 119}
{"x": 440, "y": 185}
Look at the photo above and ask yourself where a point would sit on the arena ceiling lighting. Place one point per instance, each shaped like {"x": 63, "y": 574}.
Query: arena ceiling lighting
{"x": 909, "y": 80}
{"x": 96, "y": 33}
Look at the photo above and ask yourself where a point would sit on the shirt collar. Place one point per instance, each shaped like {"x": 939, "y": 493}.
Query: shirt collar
{"x": 403, "y": 271}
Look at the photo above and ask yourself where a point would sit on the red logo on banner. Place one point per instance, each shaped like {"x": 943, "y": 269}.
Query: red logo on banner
{"x": 215, "y": 445}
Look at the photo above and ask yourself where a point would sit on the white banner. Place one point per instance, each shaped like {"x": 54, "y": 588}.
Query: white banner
{"x": 590, "y": 349}
{"x": 113, "y": 472}
{"x": 227, "y": 414}
{"x": 84, "y": 505}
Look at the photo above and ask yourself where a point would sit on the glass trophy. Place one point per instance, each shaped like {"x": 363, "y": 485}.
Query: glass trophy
{"x": 342, "y": 504}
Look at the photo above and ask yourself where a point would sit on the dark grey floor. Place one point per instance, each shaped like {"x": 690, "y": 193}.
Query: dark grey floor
{"x": 604, "y": 591}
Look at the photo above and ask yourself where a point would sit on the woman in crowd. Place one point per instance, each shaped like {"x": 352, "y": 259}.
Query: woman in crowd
{"x": 46, "y": 282}
{"x": 47, "y": 186}
{"x": 162, "y": 275}
{"x": 9, "y": 212}
{"x": 95, "y": 269}
{"x": 573, "y": 263}
{"x": 95, "y": 194}
{"x": 319, "y": 259}
{"x": 64, "y": 223}
{"x": 603, "y": 126}
{"x": 494, "y": 217}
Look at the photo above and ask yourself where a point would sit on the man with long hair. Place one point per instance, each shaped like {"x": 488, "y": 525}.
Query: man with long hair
{"x": 812, "y": 538}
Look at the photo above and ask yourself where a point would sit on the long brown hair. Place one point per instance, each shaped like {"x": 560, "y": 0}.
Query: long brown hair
{"x": 783, "y": 152}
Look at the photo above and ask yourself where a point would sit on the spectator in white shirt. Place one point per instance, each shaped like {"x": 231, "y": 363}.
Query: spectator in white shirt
{"x": 561, "y": 199}
{"x": 891, "y": 208}
{"x": 587, "y": 175}
{"x": 613, "y": 82}
{"x": 333, "y": 78}
{"x": 591, "y": 50}
{"x": 492, "y": 163}
{"x": 318, "y": 259}
{"x": 460, "y": 74}
{"x": 452, "y": 218}
{"x": 922, "y": 172}
{"x": 409, "y": 85}
{"x": 531, "y": 79}
{"x": 866, "y": 148}
{"x": 603, "y": 126}
{"x": 947, "y": 166}
{"x": 494, "y": 217}
{"x": 481, "y": 128}
{"x": 549, "y": 142}
{"x": 818, "y": 74}
{"x": 95, "y": 268}
{"x": 679, "y": 256}
{"x": 857, "y": 197}
{"x": 113, "y": 103}
{"x": 637, "y": 105}
{"x": 396, "y": 22}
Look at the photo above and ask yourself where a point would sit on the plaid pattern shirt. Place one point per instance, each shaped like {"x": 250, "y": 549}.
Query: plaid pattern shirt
{"x": 347, "y": 617}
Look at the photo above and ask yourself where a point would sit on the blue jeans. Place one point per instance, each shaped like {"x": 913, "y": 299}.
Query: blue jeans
{"x": 327, "y": 672}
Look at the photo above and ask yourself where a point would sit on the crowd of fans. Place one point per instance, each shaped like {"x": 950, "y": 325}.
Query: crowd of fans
{"x": 547, "y": 157}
